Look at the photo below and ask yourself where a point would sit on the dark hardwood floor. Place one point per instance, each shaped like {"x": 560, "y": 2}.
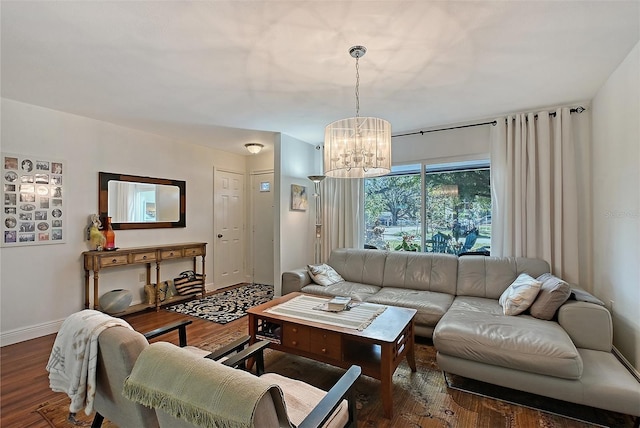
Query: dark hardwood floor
{"x": 24, "y": 381}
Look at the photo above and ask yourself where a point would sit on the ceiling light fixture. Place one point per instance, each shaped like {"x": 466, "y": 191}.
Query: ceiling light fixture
{"x": 254, "y": 148}
{"x": 357, "y": 147}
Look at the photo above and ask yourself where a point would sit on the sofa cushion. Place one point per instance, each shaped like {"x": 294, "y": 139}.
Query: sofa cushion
{"x": 553, "y": 293}
{"x": 481, "y": 276}
{"x": 324, "y": 274}
{"x": 431, "y": 306}
{"x": 362, "y": 266}
{"x": 355, "y": 290}
{"x": 421, "y": 271}
{"x": 519, "y": 295}
{"x": 475, "y": 328}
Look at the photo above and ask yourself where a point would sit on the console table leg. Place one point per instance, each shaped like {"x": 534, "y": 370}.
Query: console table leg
{"x": 96, "y": 278}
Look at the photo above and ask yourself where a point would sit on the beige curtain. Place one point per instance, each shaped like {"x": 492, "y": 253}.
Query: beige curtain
{"x": 534, "y": 190}
{"x": 342, "y": 215}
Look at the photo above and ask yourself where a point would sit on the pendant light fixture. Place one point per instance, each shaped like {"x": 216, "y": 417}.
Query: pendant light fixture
{"x": 357, "y": 147}
{"x": 254, "y": 148}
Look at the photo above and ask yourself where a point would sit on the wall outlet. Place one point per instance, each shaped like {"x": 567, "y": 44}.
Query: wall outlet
{"x": 142, "y": 277}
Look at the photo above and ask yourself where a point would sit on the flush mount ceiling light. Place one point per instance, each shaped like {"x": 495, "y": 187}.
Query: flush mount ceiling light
{"x": 357, "y": 147}
{"x": 254, "y": 148}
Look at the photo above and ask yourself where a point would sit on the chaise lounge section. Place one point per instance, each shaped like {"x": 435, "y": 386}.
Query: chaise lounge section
{"x": 568, "y": 357}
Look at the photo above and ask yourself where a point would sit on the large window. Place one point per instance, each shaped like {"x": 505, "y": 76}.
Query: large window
{"x": 436, "y": 208}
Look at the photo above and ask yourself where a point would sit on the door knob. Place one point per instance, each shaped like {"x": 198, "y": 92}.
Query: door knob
{"x": 219, "y": 235}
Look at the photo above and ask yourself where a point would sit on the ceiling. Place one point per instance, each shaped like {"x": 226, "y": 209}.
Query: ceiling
{"x": 224, "y": 73}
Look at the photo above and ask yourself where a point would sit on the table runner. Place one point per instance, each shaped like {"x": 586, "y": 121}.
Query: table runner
{"x": 305, "y": 307}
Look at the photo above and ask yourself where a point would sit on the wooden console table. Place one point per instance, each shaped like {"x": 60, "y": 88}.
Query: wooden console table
{"x": 97, "y": 260}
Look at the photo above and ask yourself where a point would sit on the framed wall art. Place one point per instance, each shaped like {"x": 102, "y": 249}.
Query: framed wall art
{"x": 33, "y": 209}
{"x": 299, "y": 201}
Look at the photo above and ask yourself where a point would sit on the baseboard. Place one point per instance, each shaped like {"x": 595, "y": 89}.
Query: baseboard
{"x": 28, "y": 333}
{"x": 635, "y": 373}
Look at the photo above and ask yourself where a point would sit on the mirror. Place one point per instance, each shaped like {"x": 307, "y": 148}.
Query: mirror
{"x": 135, "y": 202}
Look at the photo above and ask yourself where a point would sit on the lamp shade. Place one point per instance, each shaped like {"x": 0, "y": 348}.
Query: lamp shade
{"x": 357, "y": 147}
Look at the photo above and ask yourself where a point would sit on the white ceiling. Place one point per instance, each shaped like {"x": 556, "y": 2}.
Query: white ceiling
{"x": 220, "y": 73}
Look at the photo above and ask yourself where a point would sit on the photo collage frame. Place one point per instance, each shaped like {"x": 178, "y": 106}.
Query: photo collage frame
{"x": 33, "y": 209}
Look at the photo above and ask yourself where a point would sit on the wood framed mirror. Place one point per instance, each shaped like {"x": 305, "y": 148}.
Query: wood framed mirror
{"x": 136, "y": 202}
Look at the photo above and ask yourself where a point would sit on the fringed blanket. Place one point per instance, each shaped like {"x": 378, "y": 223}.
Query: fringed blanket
{"x": 73, "y": 359}
{"x": 198, "y": 390}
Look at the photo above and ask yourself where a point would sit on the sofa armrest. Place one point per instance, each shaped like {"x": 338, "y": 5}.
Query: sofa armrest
{"x": 589, "y": 325}
{"x": 294, "y": 280}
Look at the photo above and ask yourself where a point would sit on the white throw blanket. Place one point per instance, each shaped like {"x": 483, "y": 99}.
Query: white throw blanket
{"x": 73, "y": 360}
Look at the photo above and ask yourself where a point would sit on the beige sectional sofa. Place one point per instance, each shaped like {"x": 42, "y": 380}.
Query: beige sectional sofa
{"x": 568, "y": 358}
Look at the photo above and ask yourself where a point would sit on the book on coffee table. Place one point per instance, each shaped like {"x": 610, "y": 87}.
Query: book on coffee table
{"x": 337, "y": 304}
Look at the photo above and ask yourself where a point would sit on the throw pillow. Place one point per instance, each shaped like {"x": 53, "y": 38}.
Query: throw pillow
{"x": 188, "y": 282}
{"x": 553, "y": 293}
{"x": 584, "y": 296}
{"x": 324, "y": 274}
{"x": 519, "y": 295}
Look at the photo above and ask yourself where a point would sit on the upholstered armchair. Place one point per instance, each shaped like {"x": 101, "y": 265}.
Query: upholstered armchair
{"x": 188, "y": 391}
{"x": 118, "y": 350}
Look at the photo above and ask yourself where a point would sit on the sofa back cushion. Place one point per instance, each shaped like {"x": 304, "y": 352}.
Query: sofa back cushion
{"x": 421, "y": 271}
{"x": 355, "y": 265}
{"x": 481, "y": 276}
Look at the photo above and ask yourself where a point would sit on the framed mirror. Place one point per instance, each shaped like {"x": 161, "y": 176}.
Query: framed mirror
{"x": 135, "y": 202}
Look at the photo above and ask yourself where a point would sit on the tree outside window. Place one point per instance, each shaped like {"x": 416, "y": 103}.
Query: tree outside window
{"x": 457, "y": 211}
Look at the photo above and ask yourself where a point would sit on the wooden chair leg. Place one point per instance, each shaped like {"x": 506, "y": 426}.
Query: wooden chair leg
{"x": 97, "y": 420}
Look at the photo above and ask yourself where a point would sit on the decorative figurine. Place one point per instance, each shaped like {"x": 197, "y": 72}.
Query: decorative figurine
{"x": 96, "y": 237}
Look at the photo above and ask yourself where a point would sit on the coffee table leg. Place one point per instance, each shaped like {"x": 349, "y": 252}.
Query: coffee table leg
{"x": 386, "y": 379}
{"x": 253, "y": 329}
{"x": 411, "y": 354}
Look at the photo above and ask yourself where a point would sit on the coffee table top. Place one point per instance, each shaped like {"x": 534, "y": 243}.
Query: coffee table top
{"x": 384, "y": 328}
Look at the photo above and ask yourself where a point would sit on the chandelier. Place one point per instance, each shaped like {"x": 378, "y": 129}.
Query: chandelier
{"x": 357, "y": 147}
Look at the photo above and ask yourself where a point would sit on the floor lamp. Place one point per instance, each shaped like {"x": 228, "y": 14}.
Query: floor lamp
{"x": 316, "y": 195}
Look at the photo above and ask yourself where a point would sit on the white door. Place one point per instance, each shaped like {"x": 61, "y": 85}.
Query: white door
{"x": 228, "y": 211}
{"x": 262, "y": 246}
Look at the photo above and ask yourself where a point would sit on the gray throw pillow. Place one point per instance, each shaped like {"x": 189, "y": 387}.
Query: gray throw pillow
{"x": 553, "y": 293}
{"x": 584, "y": 296}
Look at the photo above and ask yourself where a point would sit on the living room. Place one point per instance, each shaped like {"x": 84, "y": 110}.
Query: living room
{"x": 42, "y": 284}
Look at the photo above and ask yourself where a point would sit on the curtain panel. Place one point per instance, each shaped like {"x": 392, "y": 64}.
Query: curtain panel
{"x": 343, "y": 215}
{"x": 534, "y": 190}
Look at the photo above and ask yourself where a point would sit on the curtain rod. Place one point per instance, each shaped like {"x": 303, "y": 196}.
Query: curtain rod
{"x": 578, "y": 110}
{"x": 446, "y": 129}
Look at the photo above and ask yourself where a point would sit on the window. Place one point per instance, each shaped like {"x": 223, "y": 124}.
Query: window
{"x": 455, "y": 211}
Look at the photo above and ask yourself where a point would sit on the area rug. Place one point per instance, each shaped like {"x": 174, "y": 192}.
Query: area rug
{"x": 420, "y": 400}
{"x": 56, "y": 412}
{"x": 423, "y": 399}
{"x": 228, "y": 305}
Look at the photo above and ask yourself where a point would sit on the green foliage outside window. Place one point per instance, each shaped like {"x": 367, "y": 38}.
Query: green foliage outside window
{"x": 457, "y": 203}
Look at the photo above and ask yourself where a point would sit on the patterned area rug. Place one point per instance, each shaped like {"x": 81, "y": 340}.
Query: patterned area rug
{"x": 420, "y": 400}
{"x": 228, "y": 305}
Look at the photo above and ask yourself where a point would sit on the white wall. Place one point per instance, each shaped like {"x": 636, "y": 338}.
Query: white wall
{"x": 442, "y": 146}
{"x": 42, "y": 285}
{"x": 616, "y": 201}
{"x": 295, "y": 160}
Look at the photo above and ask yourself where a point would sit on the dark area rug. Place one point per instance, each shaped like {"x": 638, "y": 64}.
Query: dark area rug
{"x": 226, "y": 306}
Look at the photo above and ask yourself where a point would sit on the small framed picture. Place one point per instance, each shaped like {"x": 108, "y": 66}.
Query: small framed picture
{"x": 299, "y": 200}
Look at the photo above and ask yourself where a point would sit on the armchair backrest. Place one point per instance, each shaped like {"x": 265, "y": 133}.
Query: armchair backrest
{"x": 186, "y": 389}
{"x": 118, "y": 350}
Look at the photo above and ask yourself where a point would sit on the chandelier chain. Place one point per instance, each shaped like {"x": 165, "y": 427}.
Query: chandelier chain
{"x": 357, "y": 86}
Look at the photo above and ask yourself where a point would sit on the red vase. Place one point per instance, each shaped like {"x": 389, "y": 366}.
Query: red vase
{"x": 109, "y": 235}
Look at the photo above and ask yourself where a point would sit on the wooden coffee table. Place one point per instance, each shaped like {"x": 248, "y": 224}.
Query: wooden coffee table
{"x": 378, "y": 349}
